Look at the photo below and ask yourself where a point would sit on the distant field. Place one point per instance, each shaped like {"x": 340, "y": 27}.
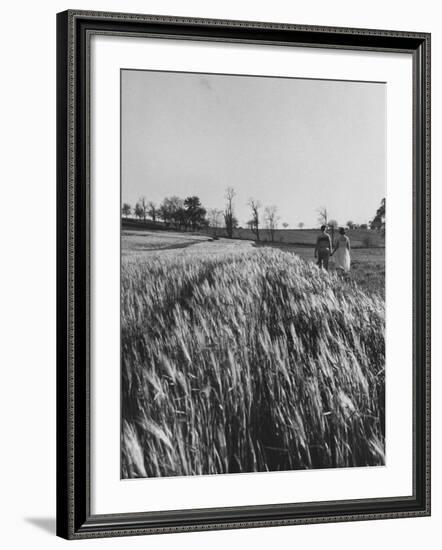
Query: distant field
{"x": 358, "y": 237}
{"x": 240, "y": 358}
{"x": 142, "y": 244}
{"x": 149, "y": 241}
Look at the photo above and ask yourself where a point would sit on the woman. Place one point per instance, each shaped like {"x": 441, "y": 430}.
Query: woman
{"x": 342, "y": 251}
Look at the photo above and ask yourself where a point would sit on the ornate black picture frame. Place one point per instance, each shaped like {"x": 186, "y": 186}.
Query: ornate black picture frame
{"x": 74, "y": 518}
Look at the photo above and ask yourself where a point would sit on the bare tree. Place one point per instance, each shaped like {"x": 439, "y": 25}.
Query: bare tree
{"x": 285, "y": 225}
{"x": 271, "y": 218}
{"x": 229, "y": 217}
{"x": 152, "y": 210}
{"x": 322, "y": 215}
{"x": 301, "y": 225}
{"x": 255, "y": 208}
{"x": 215, "y": 217}
{"x": 126, "y": 209}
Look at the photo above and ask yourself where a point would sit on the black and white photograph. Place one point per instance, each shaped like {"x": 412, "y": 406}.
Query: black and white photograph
{"x": 253, "y": 214}
{"x": 243, "y": 330}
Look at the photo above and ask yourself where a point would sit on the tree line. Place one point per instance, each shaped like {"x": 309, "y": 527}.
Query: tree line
{"x": 376, "y": 224}
{"x": 186, "y": 213}
{"x": 190, "y": 214}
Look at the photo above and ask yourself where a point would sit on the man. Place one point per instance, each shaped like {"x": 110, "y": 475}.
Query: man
{"x": 323, "y": 248}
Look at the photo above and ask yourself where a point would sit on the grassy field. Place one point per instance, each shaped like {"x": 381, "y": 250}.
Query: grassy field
{"x": 367, "y": 265}
{"x": 240, "y": 358}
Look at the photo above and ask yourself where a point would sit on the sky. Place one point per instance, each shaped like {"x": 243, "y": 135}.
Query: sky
{"x": 298, "y": 144}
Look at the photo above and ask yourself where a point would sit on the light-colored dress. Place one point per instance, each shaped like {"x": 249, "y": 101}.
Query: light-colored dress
{"x": 342, "y": 253}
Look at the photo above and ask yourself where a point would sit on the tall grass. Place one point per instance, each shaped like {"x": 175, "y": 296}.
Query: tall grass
{"x": 254, "y": 362}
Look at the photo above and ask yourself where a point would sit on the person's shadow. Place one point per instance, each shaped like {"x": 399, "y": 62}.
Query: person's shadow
{"x": 46, "y": 524}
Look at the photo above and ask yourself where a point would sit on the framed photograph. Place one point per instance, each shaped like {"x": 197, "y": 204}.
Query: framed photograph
{"x": 243, "y": 274}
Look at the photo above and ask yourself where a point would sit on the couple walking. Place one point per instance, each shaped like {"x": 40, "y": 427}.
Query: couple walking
{"x": 341, "y": 250}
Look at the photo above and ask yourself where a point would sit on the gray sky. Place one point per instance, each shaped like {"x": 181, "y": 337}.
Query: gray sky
{"x": 297, "y": 144}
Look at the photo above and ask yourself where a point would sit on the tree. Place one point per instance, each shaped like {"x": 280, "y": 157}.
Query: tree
{"x": 126, "y": 209}
{"x": 215, "y": 217}
{"x": 322, "y": 215}
{"x": 138, "y": 211}
{"x": 177, "y": 209}
{"x": 285, "y": 225}
{"x": 301, "y": 225}
{"x": 172, "y": 210}
{"x": 229, "y": 217}
{"x": 178, "y": 216}
{"x": 142, "y": 207}
{"x": 378, "y": 222}
{"x": 271, "y": 218}
{"x": 351, "y": 225}
{"x": 152, "y": 211}
{"x": 255, "y": 221}
{"x": 164, "y": 212}
{"x": 195, "y": 214}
